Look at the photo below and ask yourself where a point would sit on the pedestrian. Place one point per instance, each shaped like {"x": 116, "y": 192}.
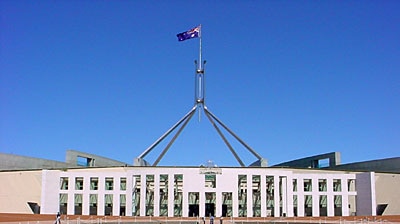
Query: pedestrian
{"x": 58, "y": 218}
{"x": 212, "y": 220}
{"x": 221, "y": 220}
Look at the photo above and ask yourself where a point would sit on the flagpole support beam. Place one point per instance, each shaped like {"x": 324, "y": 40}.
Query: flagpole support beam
{"x": 199, "y": 98}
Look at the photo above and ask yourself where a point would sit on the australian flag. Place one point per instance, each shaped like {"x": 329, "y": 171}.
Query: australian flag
{"x": 193, "y": 33}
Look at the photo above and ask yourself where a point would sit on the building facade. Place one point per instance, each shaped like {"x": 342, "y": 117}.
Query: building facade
{"x": 207, "y": 191}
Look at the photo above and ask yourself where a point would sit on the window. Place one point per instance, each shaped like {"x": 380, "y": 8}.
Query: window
{"x": 93, "y": 204}
{"x": 94, "y": 183}
{"x": 351, "y": 185}
{"x": 64, "y": 183}
{"x": 307, "y": 185}
{"x": 78, "y": 183}
{"x": 108, "y": 204}
{"x": 109, "y": 183}
{"x": 322, "y": 185}
{"x": 294, "y": 185}
{"x": 337, "y": 185}
{"x": 78, "y": 204}
{"x": 122, "y": 185}
{"x": 210, "y": 180}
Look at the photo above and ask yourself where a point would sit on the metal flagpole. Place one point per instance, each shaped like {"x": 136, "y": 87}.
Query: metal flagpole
{"x": 200, "y": 59}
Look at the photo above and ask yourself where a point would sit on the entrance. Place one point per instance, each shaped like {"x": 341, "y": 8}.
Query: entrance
{"x": 193, "y": 210}
{"x": 224, "y": 210}
{"x": 210, "y": 210}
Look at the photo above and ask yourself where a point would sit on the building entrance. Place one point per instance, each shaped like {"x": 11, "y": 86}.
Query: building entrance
{"x": 193, "y": 210}
{"x": 210, "y": 210}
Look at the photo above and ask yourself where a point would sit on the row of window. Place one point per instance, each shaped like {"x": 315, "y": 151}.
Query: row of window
{"x": 210, "y": 181}
{"x": 323, "y": 186}
{"x": 94, "y": 183}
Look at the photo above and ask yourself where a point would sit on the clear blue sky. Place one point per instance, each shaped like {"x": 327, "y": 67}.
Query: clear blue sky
{"x": 291, "y": 78}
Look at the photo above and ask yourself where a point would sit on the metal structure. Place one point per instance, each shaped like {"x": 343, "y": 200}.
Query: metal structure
{"x": 199, "y": 98}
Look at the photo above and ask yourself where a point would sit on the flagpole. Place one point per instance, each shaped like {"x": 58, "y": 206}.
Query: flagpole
{"x": 200, "y": 52}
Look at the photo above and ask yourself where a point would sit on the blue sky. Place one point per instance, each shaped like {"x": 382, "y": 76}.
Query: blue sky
{"x": 291, "y": 78}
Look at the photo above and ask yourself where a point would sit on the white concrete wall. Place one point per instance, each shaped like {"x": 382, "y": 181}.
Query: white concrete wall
{"x": 194, "y": 181}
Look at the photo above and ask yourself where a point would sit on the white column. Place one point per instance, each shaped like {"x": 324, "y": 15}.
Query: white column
{"x": 235, "y": 196}
{"x": 156, "y": 195}
{"x": 129, "y": 190}
{"x": 218, "y": 203}
{"x": 263, "y": 196}
{"x": 284, "y": 195}
{"x": 171, "y": 194}
{"x": 300, "y": 197}
{"x": 116, "y": 199}
{"x": 289, "y": 196}
{"x": 276, "y": 196}
{"x": 249, "y": 179}
{"x": 143, "y": 185}
{"x": 315, "y": 196}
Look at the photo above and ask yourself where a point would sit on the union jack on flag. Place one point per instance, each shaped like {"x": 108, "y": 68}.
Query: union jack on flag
{"x": 193, "y": 33}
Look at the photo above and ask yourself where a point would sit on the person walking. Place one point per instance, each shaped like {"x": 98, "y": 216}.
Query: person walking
{"x": 58, "y": 218}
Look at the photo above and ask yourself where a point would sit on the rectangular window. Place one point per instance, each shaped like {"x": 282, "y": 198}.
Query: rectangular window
{"x": 307, "y": 185}
{"x": 78, "y": 183}
{"x": 63, "y": 203}
{"x": 242, "y": 187}
{"x": 210, "y": 180}
{"x": 136, "y": 195}
{"x": 322, "y": 185}
{"x": 256, "y": 189}
{"x": 270, "y": 194}
{"x": 109, "y": 183}
{"x": 226, "y": 204}
{"x": 78, "y": 204}
{"x": 178, "y": 189}
{"x": 149, "y": 195}
{"x": 163, "y": 195}
{"x": 93, "y": 204}
{"x": 108, "y": 204}
{"x": 308, "y": 205}
{"x": 337, "y": 199}
{"x": 323, "y": 211}
{"x": 295, "y": 204}
{"x": 94, "y": 183}
{"x": 122, "y": 184}
{"x": 64, "y": 183}
{"x": 337, "y": 185}
{"x": 351, "y": 185}
{"x": 122, "y": 204}
{"x": 294, "y": 185}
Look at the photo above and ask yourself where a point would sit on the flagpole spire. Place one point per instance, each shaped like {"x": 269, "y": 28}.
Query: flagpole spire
{"x": 200, "y": 51}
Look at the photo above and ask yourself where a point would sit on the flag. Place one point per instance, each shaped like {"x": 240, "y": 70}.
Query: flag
{"x": 193, "y": 33}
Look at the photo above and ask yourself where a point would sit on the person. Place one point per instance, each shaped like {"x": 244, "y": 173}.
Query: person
{"x": 58, "y": 218}
{"x": 212, "y": 220}
{"x": 221, "y": 220}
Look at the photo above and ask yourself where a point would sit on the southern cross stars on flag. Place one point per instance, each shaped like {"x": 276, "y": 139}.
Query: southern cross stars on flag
{"x": 193, "y": 33}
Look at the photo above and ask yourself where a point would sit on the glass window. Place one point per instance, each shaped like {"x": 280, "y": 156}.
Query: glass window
{"x": 94, "y": 183}
{"x": 294, "y": 185}
{"x": 109, "y": 183}
{"x": 122, "y": 184}
{"x": 337, "y": 185}
{"x": 78, "y": 183}
{"x": 307, "y": 185}
{"x": 322, "y": 185}
{"x": 64, "y": 183}
{"x": 351, "y": 184}
{"x": 211, "y": 180}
